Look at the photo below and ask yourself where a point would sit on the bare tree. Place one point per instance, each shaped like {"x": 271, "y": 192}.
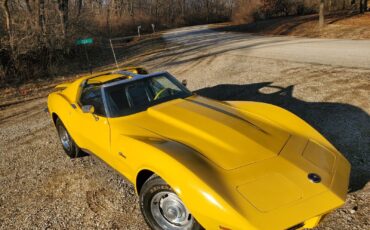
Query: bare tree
{"x": 8, "y": 22}
{"x": 108, "y": 20}
{"x": 41, "y": 14}
{"x": 363, "y": 6}
{"x": 63, "y": 10}
{"x": 29, "y": 8}
{"x": 79, "y": 7}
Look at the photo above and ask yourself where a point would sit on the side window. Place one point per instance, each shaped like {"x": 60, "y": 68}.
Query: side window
{"x": 92, "y": 96}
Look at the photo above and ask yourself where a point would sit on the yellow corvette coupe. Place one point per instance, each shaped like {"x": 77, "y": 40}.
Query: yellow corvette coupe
{"x": 198, "y": 163}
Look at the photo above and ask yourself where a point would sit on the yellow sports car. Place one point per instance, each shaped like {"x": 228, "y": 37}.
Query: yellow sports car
{"x": 198, "y": 163}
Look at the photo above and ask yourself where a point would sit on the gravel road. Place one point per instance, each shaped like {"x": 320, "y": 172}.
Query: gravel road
{"x": 42, "y": 188}
{"x": 336, "y": 52}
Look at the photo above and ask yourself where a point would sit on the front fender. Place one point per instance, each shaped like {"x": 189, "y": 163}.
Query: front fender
{"x": 198, "y": 182}
{"x": 58, "y": 104}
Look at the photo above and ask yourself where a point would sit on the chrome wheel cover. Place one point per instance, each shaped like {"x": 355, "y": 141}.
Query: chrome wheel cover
{"x": 170, "y": 212}
{"x": 65, "y": 138}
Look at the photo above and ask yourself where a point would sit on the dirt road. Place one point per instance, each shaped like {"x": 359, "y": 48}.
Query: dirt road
{"x": 42, "y": 188}
{"x": 336, "y": 52}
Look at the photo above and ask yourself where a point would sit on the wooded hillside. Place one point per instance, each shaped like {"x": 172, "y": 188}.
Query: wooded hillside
{"x": 37, "y": 37}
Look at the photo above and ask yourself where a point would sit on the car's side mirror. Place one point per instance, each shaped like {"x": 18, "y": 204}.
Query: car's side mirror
{"x": 88, "y": 109}
{"x": 184, "y": 82}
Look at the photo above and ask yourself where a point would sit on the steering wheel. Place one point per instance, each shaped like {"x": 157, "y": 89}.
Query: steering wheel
{"x": 160, "y": 92}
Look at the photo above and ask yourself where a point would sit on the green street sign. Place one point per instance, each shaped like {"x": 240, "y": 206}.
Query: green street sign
{"x": 85, "y": 41}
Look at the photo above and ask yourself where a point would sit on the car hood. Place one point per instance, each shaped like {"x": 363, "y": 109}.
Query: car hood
{"x": 228, "y": 137}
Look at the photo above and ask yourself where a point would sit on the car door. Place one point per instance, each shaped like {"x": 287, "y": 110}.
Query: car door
{"x": 91, "y": 129}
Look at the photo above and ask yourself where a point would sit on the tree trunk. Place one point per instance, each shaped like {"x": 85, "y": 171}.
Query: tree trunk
{"x": 321, "y": 14}
{"x": 29, "y": 9}
{"x": 156, "y": 11}
{"x": 183, "y": 9}
{"x": 9, "y": 59}
{"x": 207, "y": 10}
{"x": 41, "y": 11}
{"x": 79, "y": 7}
{"x": 108, "y": 20}
{"x": 363, "y": 6}
{"x": 63, "y": 12}
{"x": 132, "y": 13}
{"x": 8, "y": 23}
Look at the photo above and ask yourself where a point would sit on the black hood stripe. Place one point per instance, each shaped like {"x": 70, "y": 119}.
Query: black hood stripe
{"x": 226, "y": 113}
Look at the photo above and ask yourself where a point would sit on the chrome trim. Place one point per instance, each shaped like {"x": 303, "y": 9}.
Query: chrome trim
{"x": 170, "y": 212}
{"x": 65, "y": 138}
{"x": 105, "y": 103}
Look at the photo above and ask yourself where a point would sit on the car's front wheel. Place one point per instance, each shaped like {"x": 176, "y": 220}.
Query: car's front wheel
{"x": 69, "y": 146}
{"x": 163, "y": 209}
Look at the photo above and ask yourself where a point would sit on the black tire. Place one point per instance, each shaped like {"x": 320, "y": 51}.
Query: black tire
{"x": 152, "y": 188}
{"x": 72, "y": 150}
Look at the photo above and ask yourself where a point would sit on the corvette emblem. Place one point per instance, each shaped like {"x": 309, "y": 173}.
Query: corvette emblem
{"x": 314, "y": 178}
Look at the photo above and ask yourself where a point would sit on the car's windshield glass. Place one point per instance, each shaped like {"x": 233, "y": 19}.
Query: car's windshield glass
{"x": 136, "y": 96}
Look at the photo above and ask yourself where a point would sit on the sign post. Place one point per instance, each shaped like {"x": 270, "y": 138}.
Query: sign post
{"x": 84, "y": 42}
{"x": 138, "y": 30}
{"x": 114, "y": 53}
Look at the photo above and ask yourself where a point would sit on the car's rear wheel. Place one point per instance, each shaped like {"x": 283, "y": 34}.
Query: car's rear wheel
{"x": 163, "y": 209}
{"x": 69, "y": 146}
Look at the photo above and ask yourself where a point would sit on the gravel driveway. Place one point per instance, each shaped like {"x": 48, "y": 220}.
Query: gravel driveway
{"x": 42, "y": 188}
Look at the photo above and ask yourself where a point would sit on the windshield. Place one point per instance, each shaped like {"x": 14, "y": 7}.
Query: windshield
{"x": 136, "y": 96}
